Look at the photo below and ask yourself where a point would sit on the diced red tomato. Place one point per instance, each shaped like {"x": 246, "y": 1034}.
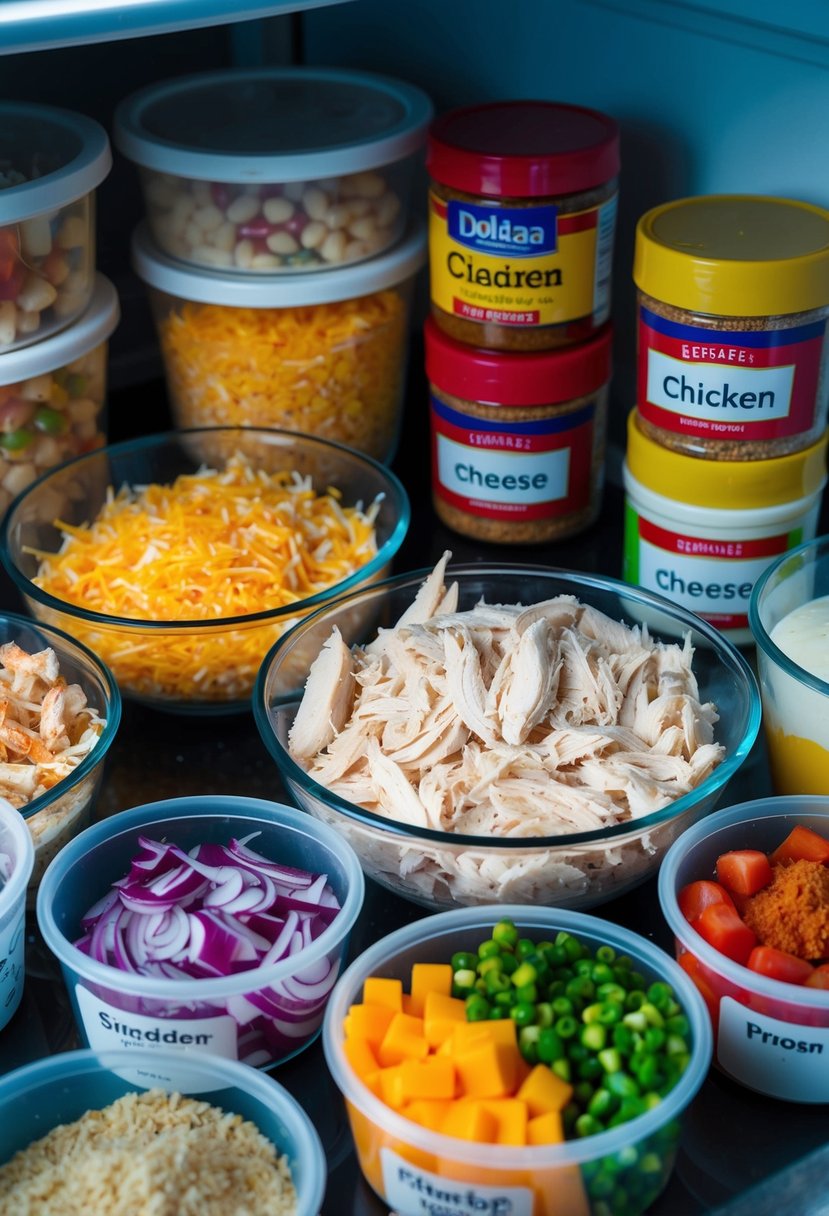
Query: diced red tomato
{"x": 778, "y": 965}
{"x": 695, "y": 897}
{"x": 744, "y": 871}
{"x": 722, "y": 928}
{"x": 819, "y": 977}
{"x": 9, "y": 253}
{"x": 693, "y": 967}
{"x": 801, "y": 844}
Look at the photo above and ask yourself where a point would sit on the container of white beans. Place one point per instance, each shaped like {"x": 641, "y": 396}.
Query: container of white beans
{"x": 275, "y": 171}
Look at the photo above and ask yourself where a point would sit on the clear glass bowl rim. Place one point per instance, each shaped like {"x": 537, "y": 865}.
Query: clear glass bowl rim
{"x": 818, "y": 548}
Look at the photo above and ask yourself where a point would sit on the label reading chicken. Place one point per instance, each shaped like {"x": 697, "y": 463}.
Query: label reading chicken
{"x": 512, "y": 469}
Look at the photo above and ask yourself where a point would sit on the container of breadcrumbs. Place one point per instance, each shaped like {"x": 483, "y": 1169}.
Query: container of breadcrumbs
{"x": 518, "y": 440}
{"x": 732, "y": 333}
{"x": 323, "y": 354}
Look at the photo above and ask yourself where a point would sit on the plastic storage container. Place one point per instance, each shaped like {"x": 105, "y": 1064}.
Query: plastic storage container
{"x": 770, "y": 1036}
{"x": 702, "y": 531}
{"x": 522, "y": 214}
{"x": 403, "y": 1161}
{"x": 62, "y": 1088}
{"x": 789, "y": 618}
{"x": 733, "y": 307}
{"x": 53, "y": 396}
{"x": 518, "y": 441}
{"x": 52, "y": 161}
{"x": 117, "y": 1009}
{"x": 324, "y": 354}
{"x": 17, "y": 859}
{"x": 276, "y": 170}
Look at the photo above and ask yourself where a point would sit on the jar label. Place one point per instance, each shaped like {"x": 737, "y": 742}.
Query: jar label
{"x": 520, "y": 266}
{"x": 784, "y": 1059}
{"x": 730, "y": 385}
{"x": 512, "y": 470}
{"x": 712, "y": 577}
{"x": 414, "y": 1191}
{"x": 12, "y": 944}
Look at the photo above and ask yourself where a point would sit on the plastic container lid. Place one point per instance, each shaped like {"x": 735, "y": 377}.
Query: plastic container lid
{"x": 523, "y": 149}
{"x": 272, "y": 125}
{"x": 66, "y": 155}
{"x": 733, "y": 484}
{"x": 735, "y": 255}
{"x": 497, "y": 378}
{"x": 276, "y": 291}
{"x": 91, "y": 329}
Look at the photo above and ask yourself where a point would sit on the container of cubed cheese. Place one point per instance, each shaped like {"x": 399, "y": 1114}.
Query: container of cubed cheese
{"x": 51, "y": 161}
{"x": 53, "y": 396}
{"x": 275, "y": 171}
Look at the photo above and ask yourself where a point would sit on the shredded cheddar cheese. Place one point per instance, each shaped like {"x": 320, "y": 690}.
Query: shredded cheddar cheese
{"x": 214, "y": 544}
{"x": 334, "y": 370}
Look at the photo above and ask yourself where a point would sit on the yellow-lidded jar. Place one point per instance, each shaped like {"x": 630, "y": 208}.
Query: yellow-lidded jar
{"x": 702, "y": 532}
{"x": 733, "y": 310}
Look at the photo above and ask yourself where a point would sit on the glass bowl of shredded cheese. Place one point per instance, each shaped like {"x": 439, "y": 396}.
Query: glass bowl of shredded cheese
{"x": 507, "y": 733}
{"x": 180, "y": 558}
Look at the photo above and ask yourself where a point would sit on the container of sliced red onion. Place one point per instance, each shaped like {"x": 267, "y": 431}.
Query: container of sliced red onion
{"x": 212, "y": 924}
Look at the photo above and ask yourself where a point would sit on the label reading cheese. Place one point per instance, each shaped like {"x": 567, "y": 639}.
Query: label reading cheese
{"x": 414, "y": 1191}
{"x": 729, "y": 385}
{"x": 512, "y": 470}
{"x": 779, "y": 1058}
{"x": 520, "y": 266}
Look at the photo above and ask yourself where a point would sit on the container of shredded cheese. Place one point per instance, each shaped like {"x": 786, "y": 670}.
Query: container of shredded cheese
{"x": 322, "y": 353}
{"x": 179, "y": 559}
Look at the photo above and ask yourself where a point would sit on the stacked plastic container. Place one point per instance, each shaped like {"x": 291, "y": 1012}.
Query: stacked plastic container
{"x": 522, "y": 212}
{"x": 56, "y": 313}
{"x": 278, "y": 247}
{"x": 726, "y": 458}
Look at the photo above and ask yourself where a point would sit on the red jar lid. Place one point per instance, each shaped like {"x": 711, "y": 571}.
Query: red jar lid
{"x": 523, "y": 149}
{"x": 506, "y": 378}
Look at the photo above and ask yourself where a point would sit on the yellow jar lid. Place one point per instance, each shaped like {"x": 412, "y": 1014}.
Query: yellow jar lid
{"x": 737, "y": 484}
{"x": 735, "y": 255}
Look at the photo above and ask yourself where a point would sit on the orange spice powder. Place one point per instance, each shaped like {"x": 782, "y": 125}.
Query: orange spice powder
{"x": 792, "y": 912}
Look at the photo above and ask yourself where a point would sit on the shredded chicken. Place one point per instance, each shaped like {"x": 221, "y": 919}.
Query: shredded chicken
{"x": 506, "y": 721}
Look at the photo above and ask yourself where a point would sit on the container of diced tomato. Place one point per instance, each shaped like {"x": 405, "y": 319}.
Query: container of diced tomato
{"x": 769, "y": 1008}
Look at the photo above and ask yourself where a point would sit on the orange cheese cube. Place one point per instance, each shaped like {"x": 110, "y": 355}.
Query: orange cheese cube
{"x": 510, "y": 1118}
{"x": 441, "y": 1014}
{"x": 487, "y": 1071}
{"x": 470, "y": 1121}
{"x": 403, "y": 1041}
{"x": 408, "y": 1007}
{"x": 372, "y": 1081}
{"x": 369, "y": 1022}
{"x": 544, "y": 1091}
{"x": 391, "y": 1086}
{"x": 377, "y": 991}
{"x": 545, "y": 1129}
{"x": 360, "y": 1056}
{"x": 428, "y": 1112}
{"x": 469, "y": 1035}
{"x": 432, "y": 1078}
{"x": 426, "y": 978}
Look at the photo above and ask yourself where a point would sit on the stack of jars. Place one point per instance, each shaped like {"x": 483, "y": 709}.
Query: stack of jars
{"x": 522, "y": 212}
{"x": 56, "y": 313}
{"x": 726, "y": 457}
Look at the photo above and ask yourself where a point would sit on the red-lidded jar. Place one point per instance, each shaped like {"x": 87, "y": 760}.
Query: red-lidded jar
{"x": 522, "y": 214}
{"x": 517, "y": 440}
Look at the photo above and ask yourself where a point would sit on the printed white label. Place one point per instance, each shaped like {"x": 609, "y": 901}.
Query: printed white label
{"x": 11, "y": 966}
{"x": 606, "y": 227}
{"x": 703, "y": 584}
{"x": 780, "y": 1058}
{"x": 413, "y": 1191}
{"x": 108, "y": 1028}
{"x": 498, "y": 476}
{"x": 714, "y": 392}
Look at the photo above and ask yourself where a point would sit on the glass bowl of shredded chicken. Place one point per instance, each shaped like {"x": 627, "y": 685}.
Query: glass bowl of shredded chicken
{"x": 506, "y": 733}
{"x": 180, "y": 558}
{"x": 59, "y": 713}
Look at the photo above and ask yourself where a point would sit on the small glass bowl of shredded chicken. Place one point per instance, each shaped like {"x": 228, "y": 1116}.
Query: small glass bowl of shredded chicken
{"x": 505, "y": 733}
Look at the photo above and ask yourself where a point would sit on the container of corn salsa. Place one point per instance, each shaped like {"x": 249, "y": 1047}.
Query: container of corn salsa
{"x": 414, "y": 1169}
{"x": 324, "y": 354}
{"x": 522, "y": 214}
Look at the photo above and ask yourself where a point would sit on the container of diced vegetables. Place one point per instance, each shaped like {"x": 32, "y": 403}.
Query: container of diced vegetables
{"x": 746, "y": 893}
{"x": 17, "y": 859}
{"x": 51, "y": 162}
{"x": 208, "y": 924}
{"x": 536, "y": 1060}
{"x": 324, "y": 354}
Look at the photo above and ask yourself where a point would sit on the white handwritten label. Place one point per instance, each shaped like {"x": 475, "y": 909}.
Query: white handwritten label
{"x": 12, "y": 940}
{"x": 778, "y": 1058}
{"x": 413, "y": 1191}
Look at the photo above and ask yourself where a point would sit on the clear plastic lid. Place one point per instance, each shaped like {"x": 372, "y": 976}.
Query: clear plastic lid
{"x": 90, "y": 330}
{"x": 272, "y": 125}
{"x": 61, "y": 156}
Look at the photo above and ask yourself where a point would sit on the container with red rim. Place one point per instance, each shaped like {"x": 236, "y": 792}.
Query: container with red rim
{"x": 522, "y": 214}
{"x": 517, "y": 439}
